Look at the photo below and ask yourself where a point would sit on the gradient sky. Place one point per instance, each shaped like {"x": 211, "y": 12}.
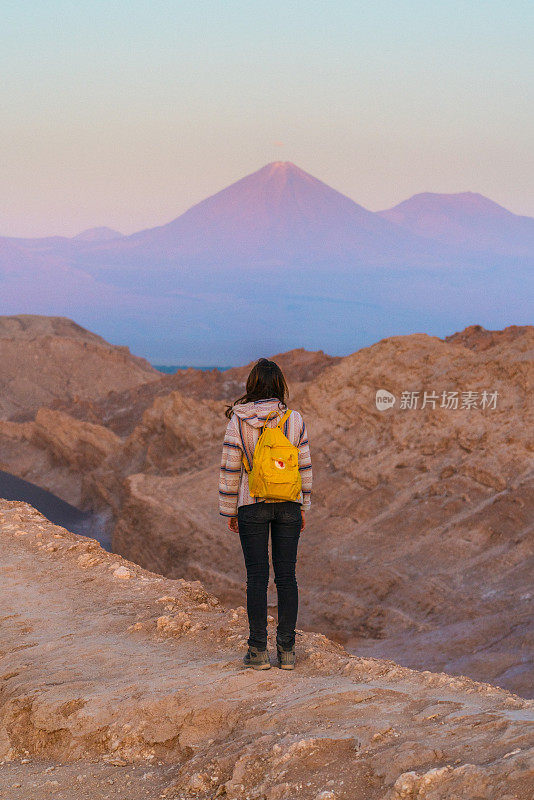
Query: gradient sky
{"x": 127, "y": 113}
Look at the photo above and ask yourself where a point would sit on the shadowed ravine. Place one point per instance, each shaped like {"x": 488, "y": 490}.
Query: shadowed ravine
{"x": 54, "y": 508}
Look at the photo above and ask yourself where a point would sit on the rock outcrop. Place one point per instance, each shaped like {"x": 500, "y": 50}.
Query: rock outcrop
{"x": 44, "y": 358}
{"x": 57, "y": 452}
{"x": 79, "y": 445}
{"x": 118, "y": 682}
{"x": 423, "y": 517}
{"x": 476, "y": 337}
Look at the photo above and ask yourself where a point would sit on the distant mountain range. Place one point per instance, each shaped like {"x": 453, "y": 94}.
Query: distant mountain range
{"x": 102, "y": 234}
{"x": 466, "y": 220}
{"x": 294, "y": 258}
{"x": 281, "y": 211}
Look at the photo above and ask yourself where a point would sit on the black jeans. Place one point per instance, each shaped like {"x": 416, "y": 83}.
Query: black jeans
{"x": 285, "y": 520}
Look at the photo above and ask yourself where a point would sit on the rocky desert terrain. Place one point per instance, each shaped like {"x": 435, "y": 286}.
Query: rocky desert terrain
{"x": 419, "y": 546}
{"x": 119, "y": 683}
{"x": 44, "y": 358}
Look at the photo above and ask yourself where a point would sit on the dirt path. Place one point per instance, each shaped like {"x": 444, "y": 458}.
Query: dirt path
{"x": 115, "y": 682}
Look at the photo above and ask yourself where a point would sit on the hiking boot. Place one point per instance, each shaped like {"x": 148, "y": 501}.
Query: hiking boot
{"x": 286, "y": 657}
{"x": 257, "y": 659}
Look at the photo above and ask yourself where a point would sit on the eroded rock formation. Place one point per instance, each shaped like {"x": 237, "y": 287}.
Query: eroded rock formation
{"x": 122, "y": 410}
{"x": 44, "y": 358}
{"x": 419, "y": 546}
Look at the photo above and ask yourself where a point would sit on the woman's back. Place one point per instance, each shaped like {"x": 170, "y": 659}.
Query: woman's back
{"x": 242, "y": 434}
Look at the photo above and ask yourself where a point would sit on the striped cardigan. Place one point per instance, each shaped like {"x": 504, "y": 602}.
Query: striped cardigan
{"x": 242, "y": 433}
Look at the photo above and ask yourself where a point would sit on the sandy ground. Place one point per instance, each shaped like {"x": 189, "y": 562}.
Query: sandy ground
{"x": 84, "y": 780}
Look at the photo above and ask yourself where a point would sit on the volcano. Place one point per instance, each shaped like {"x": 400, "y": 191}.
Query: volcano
{"x": 279, "y": 214}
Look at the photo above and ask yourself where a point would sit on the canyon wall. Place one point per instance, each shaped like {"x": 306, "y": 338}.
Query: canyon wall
{"x": 419, "y": 545}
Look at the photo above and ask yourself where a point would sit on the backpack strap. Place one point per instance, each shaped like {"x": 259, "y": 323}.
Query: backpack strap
{"x": 267, "y": 420}
{"x": 283, "y": 419}
{"x": 280, "y": 421}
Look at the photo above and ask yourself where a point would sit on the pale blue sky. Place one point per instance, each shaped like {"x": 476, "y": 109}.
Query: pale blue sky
{"x": 126, "y": 113}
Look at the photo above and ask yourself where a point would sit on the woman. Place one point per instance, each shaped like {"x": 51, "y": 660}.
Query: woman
{"x": 266, "y": 392}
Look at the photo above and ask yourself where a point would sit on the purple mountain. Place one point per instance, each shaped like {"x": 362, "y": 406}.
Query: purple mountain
{"x": 466, "y": 220}
{"x": 274, "y": 216}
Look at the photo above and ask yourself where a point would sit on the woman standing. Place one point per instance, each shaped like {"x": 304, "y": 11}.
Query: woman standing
{"x": 252, "y": 517}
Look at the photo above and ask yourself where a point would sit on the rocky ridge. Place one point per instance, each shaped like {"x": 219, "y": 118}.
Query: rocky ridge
{"x": 122, "y": 410}
{"x": 44, "y": 358}
{"x": 135, "y": 682}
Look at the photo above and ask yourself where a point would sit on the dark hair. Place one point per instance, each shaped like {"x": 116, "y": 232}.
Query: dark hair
{"x": 265, "y": 380}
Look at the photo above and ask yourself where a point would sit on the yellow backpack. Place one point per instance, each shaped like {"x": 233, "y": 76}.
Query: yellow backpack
{"x": 275, "y": 465}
